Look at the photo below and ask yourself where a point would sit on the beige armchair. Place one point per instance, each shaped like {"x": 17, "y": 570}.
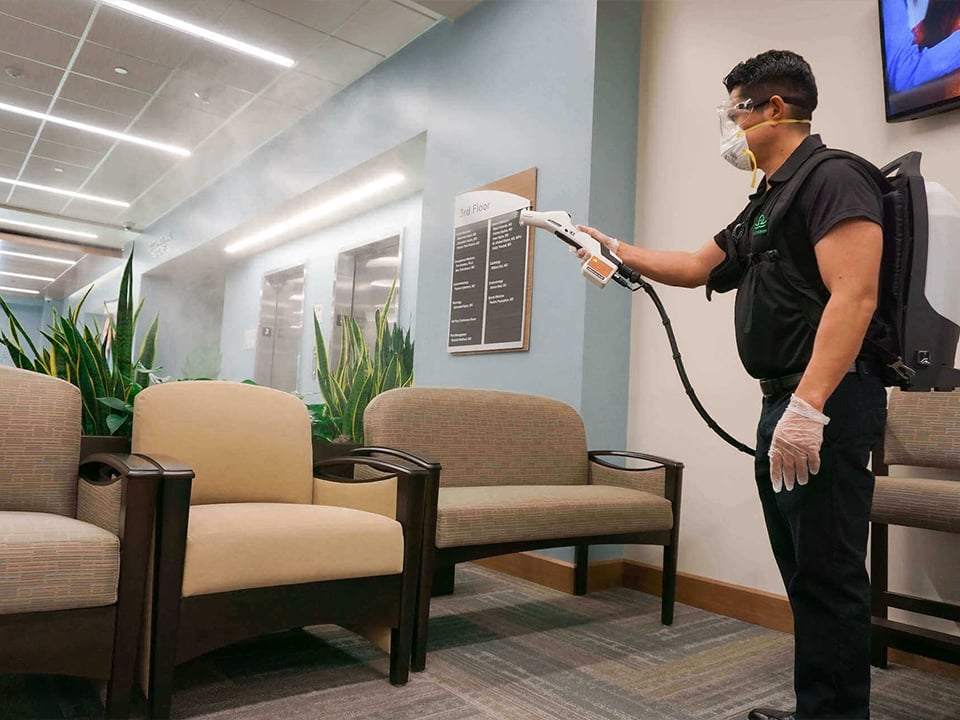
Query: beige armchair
{"x": 75, "y": 530}
{"x": 257, "y": 544}
{"x": 923, "y": 430}
{"x": 516, "y": 475}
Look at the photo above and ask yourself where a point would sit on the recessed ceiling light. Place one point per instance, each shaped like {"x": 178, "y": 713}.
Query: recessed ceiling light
{"x": 41, "y": 258}
{"x": 210, "y": 35}
{"x": 68, "y": 193}
{"x": 58, "y": 169}
{"x": 49, "y": 228}
{"x": 120, "y": 70}
{"x": 14, "y": 72}
{"x": 95, "y": 129}
{"x": 202, "y": 97}
{"x": 326, "y": 208}
{"x": 4, "y": 288}
{"x": 22, "y": 276}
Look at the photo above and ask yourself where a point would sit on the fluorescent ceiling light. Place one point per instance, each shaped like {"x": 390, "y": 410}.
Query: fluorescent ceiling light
{"x": 326, "y": 208}
{"x": 42, "y": 258}
{"x": 68, "y": 193}
{"x": 200, "y": 32}
{"x": 4, "y": 288}
{"x": 49, "y": 228}
{"x": 26, "y": 277}
{"x": 137, "y": 140}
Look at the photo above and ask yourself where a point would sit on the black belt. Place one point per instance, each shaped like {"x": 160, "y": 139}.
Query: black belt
{"x": 777, "y": 385}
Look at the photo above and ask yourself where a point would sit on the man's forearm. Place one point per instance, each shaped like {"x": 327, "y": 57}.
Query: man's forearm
{"x": 839, "y": 338}
{"x": 670, "y": 267}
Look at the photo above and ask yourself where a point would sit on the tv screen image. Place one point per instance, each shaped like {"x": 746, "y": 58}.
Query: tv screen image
{"x": 921, "y": 56}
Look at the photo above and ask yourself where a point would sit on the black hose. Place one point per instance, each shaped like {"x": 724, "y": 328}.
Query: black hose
{"x": 638, "y": 283}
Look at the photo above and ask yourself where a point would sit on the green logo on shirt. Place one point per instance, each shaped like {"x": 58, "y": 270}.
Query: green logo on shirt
{"x": 760, "y": 226}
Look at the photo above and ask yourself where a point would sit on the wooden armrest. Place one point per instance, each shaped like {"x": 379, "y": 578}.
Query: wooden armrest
{"x": 418, "y": 459}
{"x": 595, "y": 455}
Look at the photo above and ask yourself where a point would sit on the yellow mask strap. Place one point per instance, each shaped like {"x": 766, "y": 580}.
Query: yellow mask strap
{"x": 753, "y": 158}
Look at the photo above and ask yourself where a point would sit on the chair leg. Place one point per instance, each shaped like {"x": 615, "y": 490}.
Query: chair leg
{"x": 171, "y": 545}
{"x": 878, "y": 590}
{"x": 443, "y": 578}
{"x": 424, "y": 592}
{"x": 580, "y": 569}
{"x": 669, "y": 591}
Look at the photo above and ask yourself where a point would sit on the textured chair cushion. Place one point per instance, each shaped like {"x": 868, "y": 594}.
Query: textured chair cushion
{"x": 39, "y": 442}
{"x": 244, "y": 442}
{"x": 51, "y": 562}
{"x": 923, "y": 428}
{"x": 234, "y": 546}
{"x": 483, "y": 437}
{"x": 917, "y": 502}
{"x": 498, "y": 514}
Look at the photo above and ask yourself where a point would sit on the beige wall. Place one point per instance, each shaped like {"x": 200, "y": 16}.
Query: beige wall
{"x": 685, "y": 194}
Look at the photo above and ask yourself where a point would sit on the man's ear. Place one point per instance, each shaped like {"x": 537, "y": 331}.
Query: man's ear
{"x": 779, "y": 108}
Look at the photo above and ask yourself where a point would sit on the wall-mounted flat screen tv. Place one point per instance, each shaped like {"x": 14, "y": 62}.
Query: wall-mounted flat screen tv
{"x": 921, "y": 57}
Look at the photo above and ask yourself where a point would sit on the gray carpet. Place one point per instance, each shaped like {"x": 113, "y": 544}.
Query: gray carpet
{"x": 503, "y": 649}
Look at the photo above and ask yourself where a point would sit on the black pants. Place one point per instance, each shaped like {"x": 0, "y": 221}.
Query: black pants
{"x": 819, "y": 537}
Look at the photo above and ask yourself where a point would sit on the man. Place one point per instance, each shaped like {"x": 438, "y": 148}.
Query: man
{"x": 806, "y": 292}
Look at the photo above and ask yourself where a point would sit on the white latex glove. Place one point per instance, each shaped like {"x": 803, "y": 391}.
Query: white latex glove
{"x": 610, "y": 242}
{"x": 796, "y": 444}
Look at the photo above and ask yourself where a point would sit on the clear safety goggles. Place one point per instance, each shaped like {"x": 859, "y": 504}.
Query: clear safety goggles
{"x": 732, "y": 113}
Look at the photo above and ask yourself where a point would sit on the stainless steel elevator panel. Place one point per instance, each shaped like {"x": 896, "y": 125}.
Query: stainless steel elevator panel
{"x": 363, "y": 280}
{"x": 280, "y": 329}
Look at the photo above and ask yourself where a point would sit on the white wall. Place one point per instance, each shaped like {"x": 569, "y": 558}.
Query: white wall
{"x": 686, "y": 193}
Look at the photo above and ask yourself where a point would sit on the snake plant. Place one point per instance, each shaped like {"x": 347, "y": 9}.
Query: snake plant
{"x": 361, "y": 373}
{"x": 99, "y": 361}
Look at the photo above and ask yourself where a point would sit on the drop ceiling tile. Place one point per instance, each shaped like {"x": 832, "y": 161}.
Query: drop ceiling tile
{"x": 44, "y": 172}
{"x": 116, "y": 98}
{"x": 266, "y": 30}
{"x": 79, "y": 112}
{"x": 68, "y": 17}
{"x": 77, "y": 138}
{"x": 198, "y": 12}
{"x": 25, "y": 39}
{"x": 231, "y": 68}
{"x": 11, "y": 122}
{"x": 141, "y": 38}
{"x": 324, "y": 16}
{"x": 10, "y": 159}
{"x": 36, "y": 76}
{"x": 299, "y": 90}
{"x": 221, "y": 100}
{"x": 14, "y": 141}
{"x": 128, "y": 171}
{"x": 97, "y": 61}
{"x": 65, "y": 153}
{"x": 338, "y": 61}
{"x": 261, "y": 120}
{"x": 29, "y": 99}
{"x": 36, "y": 200}
{"x": 94, "y": 212}
{"x": 174, "y": 124}
{"x": 384, "y": 26}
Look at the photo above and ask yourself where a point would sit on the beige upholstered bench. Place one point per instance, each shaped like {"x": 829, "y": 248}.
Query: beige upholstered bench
{"x": 516, "y": 475}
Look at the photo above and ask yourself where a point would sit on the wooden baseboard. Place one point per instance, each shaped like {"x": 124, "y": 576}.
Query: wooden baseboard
{"x": 741, "y": 603}
{"x": 554, "y": 573}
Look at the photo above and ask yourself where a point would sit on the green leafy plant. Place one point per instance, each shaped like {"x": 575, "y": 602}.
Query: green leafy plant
{"x": 98, "y": 361}
{"x": 360, "y": 375}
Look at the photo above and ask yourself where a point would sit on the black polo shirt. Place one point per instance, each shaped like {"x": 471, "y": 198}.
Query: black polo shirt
{"x": 779, "y": 303}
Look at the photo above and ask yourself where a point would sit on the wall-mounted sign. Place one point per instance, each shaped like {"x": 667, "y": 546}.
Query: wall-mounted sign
{"x": 491, "y": 285}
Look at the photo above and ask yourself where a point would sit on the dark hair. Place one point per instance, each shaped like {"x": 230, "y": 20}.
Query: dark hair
{"x": 941, "y": 18}
{"x": 777, "y": 72}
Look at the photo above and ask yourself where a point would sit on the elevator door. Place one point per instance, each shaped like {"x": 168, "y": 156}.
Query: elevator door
{"x": 280, "y": 329}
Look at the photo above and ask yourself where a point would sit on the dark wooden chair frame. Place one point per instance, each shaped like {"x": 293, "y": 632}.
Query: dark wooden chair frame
{"x": 186, "y": 627}
{"x": 886, "y": 633}
{"x": 438, "y": 564}
{"x": 99, "y": 642}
